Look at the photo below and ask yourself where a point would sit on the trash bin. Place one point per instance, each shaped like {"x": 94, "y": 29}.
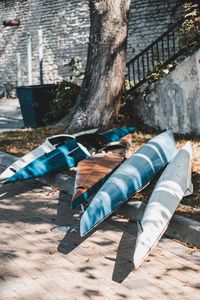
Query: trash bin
{"x": 35, "y": 102}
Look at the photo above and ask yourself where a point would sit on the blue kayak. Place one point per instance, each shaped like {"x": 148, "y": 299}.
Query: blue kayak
{"x": 116, "y": 134}
{"x": 62, "y": 158}
{"x": 132, "y": 175}
{"x": 99, "y": 139}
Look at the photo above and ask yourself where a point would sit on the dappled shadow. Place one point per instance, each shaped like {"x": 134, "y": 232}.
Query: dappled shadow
{"x": 183, "y": 268}
{"x": 30, "y": 250}
{"x": 6, "y": 255}
{"x": 18, "y": 203}
{"x": 17, "y": 188}
{"x": 90, "y": 294}
{"x": 83, "y": 263}
{"x": 184, "y": 274}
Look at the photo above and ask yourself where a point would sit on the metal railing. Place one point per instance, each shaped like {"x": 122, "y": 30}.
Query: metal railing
{"x": 161, "y": 52}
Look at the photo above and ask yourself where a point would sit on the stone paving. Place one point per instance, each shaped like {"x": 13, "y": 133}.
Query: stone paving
{"x": 38, "y": 263}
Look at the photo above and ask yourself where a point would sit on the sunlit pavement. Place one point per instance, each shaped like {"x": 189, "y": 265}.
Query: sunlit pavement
{"x": 10, "y": 115}
{"x": 38, "y": 263}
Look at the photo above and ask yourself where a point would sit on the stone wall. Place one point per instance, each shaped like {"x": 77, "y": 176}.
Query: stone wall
{"x": 175, "y": 100}
{"x": 148, "y": 20}
{"x": 65, "y": 26}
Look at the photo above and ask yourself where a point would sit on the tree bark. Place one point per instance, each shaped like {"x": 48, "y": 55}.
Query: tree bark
{"x": 99, "y": 100}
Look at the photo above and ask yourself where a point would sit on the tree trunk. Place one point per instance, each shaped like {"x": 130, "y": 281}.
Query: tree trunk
{"x": 99, "y": 100}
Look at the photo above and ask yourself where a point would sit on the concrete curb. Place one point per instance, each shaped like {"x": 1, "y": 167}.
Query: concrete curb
{"x": 181, "y": 228}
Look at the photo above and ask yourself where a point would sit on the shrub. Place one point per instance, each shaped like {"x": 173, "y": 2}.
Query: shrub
{"x": 64, "y": 100}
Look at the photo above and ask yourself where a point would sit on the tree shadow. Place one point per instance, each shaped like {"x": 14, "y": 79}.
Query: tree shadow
{"x": 17, "y": 188}
{"x": 182, "y": 274}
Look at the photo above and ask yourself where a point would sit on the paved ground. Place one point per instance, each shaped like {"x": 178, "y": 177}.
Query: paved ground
{"x": 37, "y": 263}
{"x": 10, "y": 115}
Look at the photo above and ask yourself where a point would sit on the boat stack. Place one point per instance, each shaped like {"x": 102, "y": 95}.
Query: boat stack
{"x": 113, "y": 175}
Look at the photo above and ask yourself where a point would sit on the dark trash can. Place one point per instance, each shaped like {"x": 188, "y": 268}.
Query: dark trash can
{"x": 35, "y": 102}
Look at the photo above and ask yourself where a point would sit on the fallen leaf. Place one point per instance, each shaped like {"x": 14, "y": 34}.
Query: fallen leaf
{"x": 52, "y": 251}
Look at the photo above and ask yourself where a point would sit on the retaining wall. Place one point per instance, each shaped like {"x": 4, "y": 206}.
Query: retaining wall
{"x": 174, "y": 100}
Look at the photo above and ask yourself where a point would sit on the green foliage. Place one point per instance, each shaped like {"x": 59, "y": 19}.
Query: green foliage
{"x": 128, "y": 84}
{"x": 188, "y": 38}
{"x": 189, "y": 33}
{"x": 67, "y": 91}
{"x": 159, "y": 71}
{"x": 64, "y": 100}
{"x": 155, "y": 74}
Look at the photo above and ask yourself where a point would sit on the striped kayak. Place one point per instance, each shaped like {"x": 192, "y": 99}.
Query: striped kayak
{"x": 173, "y": 185}
{"x": 136, "y": 172}
{"x": 93, "y": 171}
{"x": 63, "y": 157}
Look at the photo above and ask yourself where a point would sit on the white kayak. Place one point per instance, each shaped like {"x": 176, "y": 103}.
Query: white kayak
{"x": 172, "y": 186}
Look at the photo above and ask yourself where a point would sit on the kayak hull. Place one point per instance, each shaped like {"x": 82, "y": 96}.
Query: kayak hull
{"x": 99, "y": 139}
{"x": 59, "y": 159}
{"x": 135, "y": 173}
{"x": 49, "y": 144}
{"x": 116, "y": 134}
{"x": 174, "y": 183}
{"x": 92, "y": 172}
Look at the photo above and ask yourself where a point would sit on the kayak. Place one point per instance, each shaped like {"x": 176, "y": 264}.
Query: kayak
{"x": 93, "y": 171}
{"x": 173, "y": 185}
{"x": 90, "y": 137}
{"x": 121, "y": 147}
{"x": 116, "y": 134}
{"x": 132, "y": 175}
{"x": 49, "y": 144}
{"x": 62, "y": 158}
{"x": 99, "y": 139}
